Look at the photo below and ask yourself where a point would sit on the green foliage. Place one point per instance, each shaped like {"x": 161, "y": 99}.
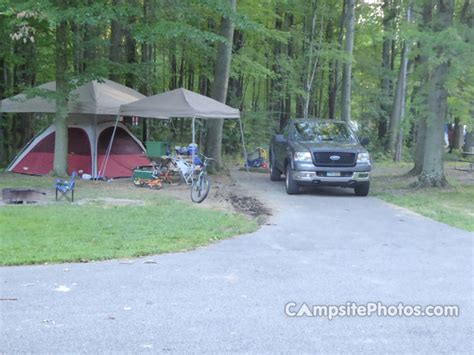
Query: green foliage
{"x": 275, "y": 51}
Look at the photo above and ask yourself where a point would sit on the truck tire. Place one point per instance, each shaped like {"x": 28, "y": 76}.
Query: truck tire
{"x": 291, "y": 185}
{"x": 362, "y": 189}
{"x": 275, "y": 174}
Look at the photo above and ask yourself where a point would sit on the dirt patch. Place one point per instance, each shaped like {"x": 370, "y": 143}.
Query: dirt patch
{"x": 111, "y": 201}
{"x": 225, "y": 195}
{"x": 249, "y": 205}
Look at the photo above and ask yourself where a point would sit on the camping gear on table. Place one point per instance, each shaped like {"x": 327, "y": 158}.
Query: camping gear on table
{"x": 191, "y": 149}
{"x": 183, "y": 103}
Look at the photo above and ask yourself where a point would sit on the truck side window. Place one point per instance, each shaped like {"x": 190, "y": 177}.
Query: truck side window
{"x": 286, "y": 131}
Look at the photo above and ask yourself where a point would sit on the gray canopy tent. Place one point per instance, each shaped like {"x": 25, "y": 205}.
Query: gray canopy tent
{"x": 93, "y": 102}
{"x": 183, "y": 103}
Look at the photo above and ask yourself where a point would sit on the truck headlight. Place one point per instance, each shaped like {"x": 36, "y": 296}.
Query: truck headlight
{"x": 303, "y": 156}
{"x": 363, "y": 158}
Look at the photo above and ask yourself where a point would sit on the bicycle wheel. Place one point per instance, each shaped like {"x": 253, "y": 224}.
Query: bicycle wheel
{"x": 200, "y": 188}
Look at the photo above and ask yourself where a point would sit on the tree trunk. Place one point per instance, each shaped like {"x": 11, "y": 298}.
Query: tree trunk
{"x": 433, "y": 167}
{"x": 147, "y": 55}
{"x": 60, "y": 121}
{"x": 347, "y": 73}
{"x": 91, "y": 34}
{"x": 78, "y": 47}
{"x": 385, "y": 84}
{"x": 115, "y": 53}
{"x": 286, "y": 114}
{"x": 420, "y": 136}
{"x": 458, "y": 138}
{"x": 130, "y": 49}
{"x": 334, "y": 73}
{"x": 420, "y": 93}
{"x": 313, "y": 58}
{"x": 466, "y": 17}
{"x": 219, "y": 87}
{"x": 275, "y": 97}
{"x": 236, "y": 87}
{"x": 398, "y": 109}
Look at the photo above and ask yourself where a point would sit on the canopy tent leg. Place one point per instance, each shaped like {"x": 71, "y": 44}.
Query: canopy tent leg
{"x": 243, "y": 143}
{"x": 109, "y": 149}
{"x": 194, "y": 141}
{"x": 94, "y": 148}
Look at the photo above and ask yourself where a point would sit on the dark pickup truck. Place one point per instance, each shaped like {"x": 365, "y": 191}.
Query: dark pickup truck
{"x": 320, "y": 153}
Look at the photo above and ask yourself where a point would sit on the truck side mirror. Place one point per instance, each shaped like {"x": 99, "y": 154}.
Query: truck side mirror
{"x": 364, "y": 141}
{"x": 280, "y": 138}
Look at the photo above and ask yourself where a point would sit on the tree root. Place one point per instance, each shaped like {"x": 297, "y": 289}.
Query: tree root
{"x": 426, "y": 180}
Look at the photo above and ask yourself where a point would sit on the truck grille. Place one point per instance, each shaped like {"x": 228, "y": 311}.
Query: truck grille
{"x": 324, "y": 159}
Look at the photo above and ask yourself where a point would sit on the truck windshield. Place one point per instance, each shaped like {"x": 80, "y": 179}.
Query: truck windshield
{"x": 323, "y": 131}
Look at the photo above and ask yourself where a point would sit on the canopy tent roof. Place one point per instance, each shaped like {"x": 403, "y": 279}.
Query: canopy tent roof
{"x": 179, "y": 103}
{"x": 93, "y": 97}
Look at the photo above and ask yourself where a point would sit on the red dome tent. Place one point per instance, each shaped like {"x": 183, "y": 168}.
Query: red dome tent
{"x": 37, "y": 157}
{"x": 92, "y": 110}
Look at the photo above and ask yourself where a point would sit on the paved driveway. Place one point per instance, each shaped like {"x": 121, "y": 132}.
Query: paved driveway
{"x": 317, "y": 248}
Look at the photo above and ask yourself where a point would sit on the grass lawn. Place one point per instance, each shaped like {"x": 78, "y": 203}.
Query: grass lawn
{"x": 453, "y": 206}
{"x": 96, "y": 229}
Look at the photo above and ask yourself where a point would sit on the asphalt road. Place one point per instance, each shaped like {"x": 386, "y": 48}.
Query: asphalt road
{"x": 322, "y": 247}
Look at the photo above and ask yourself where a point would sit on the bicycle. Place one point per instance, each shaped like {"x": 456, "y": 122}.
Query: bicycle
{"x": 194, "y": 175}
{"x": 200, "y": 184}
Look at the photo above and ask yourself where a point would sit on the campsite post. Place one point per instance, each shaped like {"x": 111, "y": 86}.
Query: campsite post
{"x": 243, "y": 144}
{"x": 192, "y": 147}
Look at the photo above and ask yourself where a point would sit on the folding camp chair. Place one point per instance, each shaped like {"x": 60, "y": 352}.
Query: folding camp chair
{"x": 66, "y": 186}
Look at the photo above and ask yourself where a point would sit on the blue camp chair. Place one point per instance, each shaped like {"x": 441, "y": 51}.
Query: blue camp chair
{"x": 66, "y": 186}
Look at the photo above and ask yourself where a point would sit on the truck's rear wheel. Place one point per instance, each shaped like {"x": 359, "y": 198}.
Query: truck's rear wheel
{"x": 362, "y": 189}
{"x": 291, "y": 185}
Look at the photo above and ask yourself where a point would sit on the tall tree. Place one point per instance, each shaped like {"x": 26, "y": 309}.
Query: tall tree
{"x": 314, "y": 47}
{"x": 62, "y": 92}
{"x": 420, "y": 92}
{"x": 466, "y": 18}
{"x": 398, "y": 109}
{"x": 130, "y": 47}
{"x": 334, "y": 79}
{"x": 385, "y": 82}
{"x": 220, "y": 84}
{"x": 116, "y": 34}
{"x": 347, "y": 72}
{"x": 433, "y": 166}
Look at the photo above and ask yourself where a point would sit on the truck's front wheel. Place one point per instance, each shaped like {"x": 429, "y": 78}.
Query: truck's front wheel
{"x": 275, "y": 174}
{"x": 291, "y": 185}
{"x": 362, "y": 189}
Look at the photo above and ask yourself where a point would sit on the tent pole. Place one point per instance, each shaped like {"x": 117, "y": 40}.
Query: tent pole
{"x": 194, "y": 139}
{"x": 94, "y": 149}
{"x": 243, "y": 144}
{"x": 109, "y": 148}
